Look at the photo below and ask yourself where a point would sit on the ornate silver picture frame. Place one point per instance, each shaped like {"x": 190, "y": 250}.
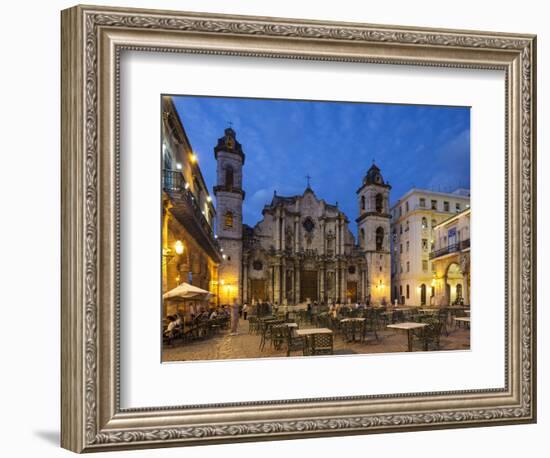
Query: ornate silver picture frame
{"x": 93, "y": 39}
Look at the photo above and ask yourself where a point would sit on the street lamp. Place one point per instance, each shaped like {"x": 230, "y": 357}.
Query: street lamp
{"x": 179, "y": 247}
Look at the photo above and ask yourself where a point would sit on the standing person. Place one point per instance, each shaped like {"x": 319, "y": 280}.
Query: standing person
{"x": 234, "y": 317}
{"x": 245, "y": 310}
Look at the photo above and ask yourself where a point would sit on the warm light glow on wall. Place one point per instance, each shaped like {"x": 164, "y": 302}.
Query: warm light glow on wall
{"x": 179, "y": 247}
{"x": 194, "y": 158}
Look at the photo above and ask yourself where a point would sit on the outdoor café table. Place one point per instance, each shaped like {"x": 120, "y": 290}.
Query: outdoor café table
{"x": 463, "y": 319}
{"x": 310, "y": 331}
{"x": 408, "y": 326}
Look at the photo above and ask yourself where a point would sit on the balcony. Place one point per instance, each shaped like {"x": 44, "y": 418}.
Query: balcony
{"x": 186, "y": 210}
{"x": 449, "y": 249}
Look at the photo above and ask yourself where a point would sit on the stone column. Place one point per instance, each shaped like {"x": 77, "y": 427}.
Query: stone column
{"x": 324, "y": 246}
{"x": 337, "y": 282}
{"x": 245, "y": 280}
{"x": 341, "y": 237}
{"x": 296, "y": 234}
{"x": 277, "y": 285}
{"x": 344, "y": 283}
{"x": 337, "y": 240}
{"x": 322, "y": 283}
{"x": 296, "y": 282}
{"x": 283, "y": 282}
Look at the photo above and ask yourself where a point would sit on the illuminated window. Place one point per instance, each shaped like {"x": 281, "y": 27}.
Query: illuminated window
{"x": 228, "y": 220}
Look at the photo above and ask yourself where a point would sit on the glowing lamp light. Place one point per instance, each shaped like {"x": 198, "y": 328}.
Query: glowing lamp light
{"x": 208, "y": 199}
{"x": 178, "y": 166}
{"x": 186, "y": 185}
{"x": 194, "y": 158}
{"x": 179, "y": 247}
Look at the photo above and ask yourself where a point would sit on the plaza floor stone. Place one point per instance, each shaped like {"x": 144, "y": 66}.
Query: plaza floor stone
{"x": 244, "y": 345}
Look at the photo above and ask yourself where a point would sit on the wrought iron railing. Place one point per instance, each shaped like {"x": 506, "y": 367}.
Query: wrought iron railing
{"x": 174, "y": 182}
{"x": 453, "y": 248}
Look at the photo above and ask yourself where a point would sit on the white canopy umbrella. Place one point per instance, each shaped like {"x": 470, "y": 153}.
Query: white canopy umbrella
{"x": 186, "y": 291}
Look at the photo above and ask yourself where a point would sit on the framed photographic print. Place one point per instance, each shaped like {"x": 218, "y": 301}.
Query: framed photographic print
{"x": 278, "y": 228}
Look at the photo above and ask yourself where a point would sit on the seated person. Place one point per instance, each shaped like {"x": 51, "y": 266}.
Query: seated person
{"x": 172, "y": 325}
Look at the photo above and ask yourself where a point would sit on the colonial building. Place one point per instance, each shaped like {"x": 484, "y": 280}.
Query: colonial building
{"x": 414, "y": 219}
{"x": 302, "y": 249}
{"x": 190, "y": 252}
{"x": 451, "y": 260}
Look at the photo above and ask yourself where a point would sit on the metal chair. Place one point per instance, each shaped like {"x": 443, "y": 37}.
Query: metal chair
{"x": 430, "y": 334}
{"x": 278, "y": 335}
{"x": 321, "y": 344}
{"x": 294, "y": 342}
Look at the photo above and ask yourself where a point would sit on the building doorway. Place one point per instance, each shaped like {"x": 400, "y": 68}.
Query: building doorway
{"x": 308, "y": 285}
{"x": 258, "y": 290}
{"x": 422, "y": 294}
{"x": 453, "y": 284}
{"x": 351, "y": 291}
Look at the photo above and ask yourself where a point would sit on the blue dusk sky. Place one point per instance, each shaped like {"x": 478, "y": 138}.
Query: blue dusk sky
{"x": 333, "y": 142}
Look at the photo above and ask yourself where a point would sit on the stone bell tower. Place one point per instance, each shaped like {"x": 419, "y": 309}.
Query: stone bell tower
{"x": 373, "y": 228}
{"x": 229, "y": 209}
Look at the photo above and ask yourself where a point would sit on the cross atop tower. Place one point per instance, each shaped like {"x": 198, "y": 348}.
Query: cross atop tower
{"x": 308, "y": 178}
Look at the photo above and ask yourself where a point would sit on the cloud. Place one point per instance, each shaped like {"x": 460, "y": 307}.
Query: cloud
{"x": 335, "y": 143}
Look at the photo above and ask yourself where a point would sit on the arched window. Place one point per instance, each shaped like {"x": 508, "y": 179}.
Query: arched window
{"x": 229, "y": 176}
{"x": 362, "y": 202}
{"x": 228, "y": 220}
{"x": 424, "y": 223}
{"x": 379, "y": 203}
{"x": 379, "y": 238}
{"x": 458, "y": 291}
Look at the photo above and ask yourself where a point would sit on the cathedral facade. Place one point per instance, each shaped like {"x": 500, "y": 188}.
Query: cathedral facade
{"x": 302, "y": 249}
